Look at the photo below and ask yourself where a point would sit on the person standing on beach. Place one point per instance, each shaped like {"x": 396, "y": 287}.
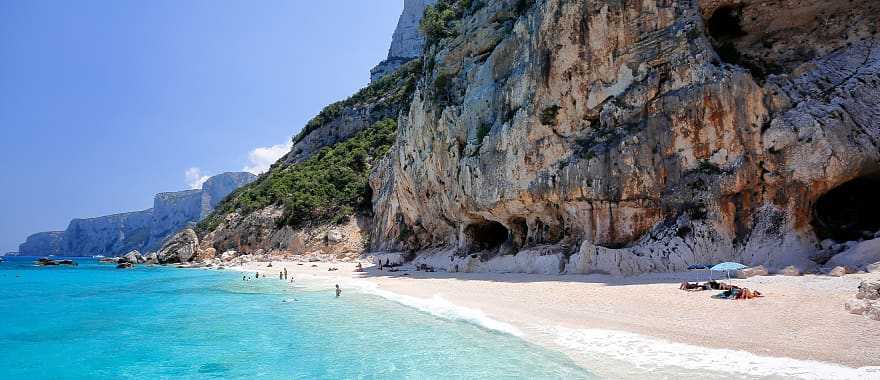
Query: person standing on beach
{"x": 338, "y": 291}
{"x": 285, "y": 273}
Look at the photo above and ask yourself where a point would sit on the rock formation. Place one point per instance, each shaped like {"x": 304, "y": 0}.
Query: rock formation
{"x": 860, "y": 256}
{"x": 145, "y": 230}
{"x": 407, "y": 41}
{"x": 180, "y": 248}
{"x": 151, "y": 258}
{"x": 637, "y": 137}
{"x": 579, "y": 136}
{"x": 43, "y": 243}
{"x": 258, "y": 233}
{"x": 867, "y": 301}
{"x": 133, "y": 257}
{"x": 110, "y": 235}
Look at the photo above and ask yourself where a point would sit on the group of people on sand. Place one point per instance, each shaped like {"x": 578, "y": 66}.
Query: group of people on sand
{"x": 731, "y": 292}
{"x": 282, "y": 275}
{"x": 387, "y": 264}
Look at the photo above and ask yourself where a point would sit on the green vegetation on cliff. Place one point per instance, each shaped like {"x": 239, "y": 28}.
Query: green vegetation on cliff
{"x": 390, "y": 92}
{"x": 437, "y": 21}
{"x": 332, "y": 183}
{"x": 329, "y": 186}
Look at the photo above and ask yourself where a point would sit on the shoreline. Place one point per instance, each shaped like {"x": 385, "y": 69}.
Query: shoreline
{"x": 798, "y": 329}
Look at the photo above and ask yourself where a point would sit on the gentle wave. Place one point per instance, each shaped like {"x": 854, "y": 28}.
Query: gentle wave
{"x": 650, "y": 353}
{"x": 442, "y": 308}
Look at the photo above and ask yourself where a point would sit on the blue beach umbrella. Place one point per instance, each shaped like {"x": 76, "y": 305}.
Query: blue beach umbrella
{"x": 727, "y": 267}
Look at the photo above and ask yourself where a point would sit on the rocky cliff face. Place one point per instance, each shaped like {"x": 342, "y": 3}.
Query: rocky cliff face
{"x": 216, "y": 188}
{"x": 171, "y": 212}
{"x": 141, "y": 230}
{"x": 107, "y": 235}
{"x": 43, "y": 243}
{"x": 407, "y": 41}
{"x": 580, "y": 136}
{"x": 626, "y": 137}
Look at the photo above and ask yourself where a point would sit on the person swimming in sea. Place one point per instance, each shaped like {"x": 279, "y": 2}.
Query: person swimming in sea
{"x": 338, "y": 291}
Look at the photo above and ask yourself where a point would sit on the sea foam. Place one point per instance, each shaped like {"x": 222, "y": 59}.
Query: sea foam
{"x": 648, "y": 353}
{"x": 440, "y": 307}
{"x": 643, "y": 352}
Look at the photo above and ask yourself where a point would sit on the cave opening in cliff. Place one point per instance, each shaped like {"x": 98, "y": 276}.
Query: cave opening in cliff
{"x": 724, "y": 27}
{"x": 486, "y": 235}
{"x": 850, "y": 211}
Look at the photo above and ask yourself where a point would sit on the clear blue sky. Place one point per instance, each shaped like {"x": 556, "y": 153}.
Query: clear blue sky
{"x": 104, "y": 103}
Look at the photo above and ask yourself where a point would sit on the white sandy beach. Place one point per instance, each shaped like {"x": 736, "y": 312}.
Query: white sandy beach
{"x": 800, "y": 317}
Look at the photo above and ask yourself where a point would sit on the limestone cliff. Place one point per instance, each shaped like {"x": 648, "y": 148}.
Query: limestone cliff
{"x": 43, "y": 243}
{"x": 109, "y": 235}
{"x": 407, "y": 41}
{"x": 632, "y": 136}
{"x": 623, "y": 137}
{"x": 174, "y": 211}
{"x": 140, "y": 230}
{"x": 171, "y": 212}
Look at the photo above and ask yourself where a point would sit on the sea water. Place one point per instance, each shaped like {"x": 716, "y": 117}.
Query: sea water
{"x": 94, "y": 321}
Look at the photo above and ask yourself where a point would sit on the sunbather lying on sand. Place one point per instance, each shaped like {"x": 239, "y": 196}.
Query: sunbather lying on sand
{"x": 692, "y": 287}
{"x": 696, "y": 286}
{"x": 737, "y": 293}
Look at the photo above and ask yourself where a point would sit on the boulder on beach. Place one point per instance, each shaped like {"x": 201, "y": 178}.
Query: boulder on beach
{"x": 867, "y": 301}
{"x": 837, "y": 271}
{"x": 869, "y": 290}
{"x": 759, "y": 270}
{"x": 857, "y": 306}
{"x": 228, "y": 255}
{"x": 860, "y": 255}
{"x": 873, "y": 312}
{"x": 790, "y": 271}
{"x": 181, "y": 248}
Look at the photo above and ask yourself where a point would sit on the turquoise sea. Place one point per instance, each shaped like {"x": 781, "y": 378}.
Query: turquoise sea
{"x": 98, "y": 322}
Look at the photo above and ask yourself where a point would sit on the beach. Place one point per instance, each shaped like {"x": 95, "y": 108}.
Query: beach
{"x": 800, "y": 317}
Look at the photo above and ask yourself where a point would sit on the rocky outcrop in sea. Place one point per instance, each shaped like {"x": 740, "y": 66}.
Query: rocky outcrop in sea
{"x": 146, "y": 230}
